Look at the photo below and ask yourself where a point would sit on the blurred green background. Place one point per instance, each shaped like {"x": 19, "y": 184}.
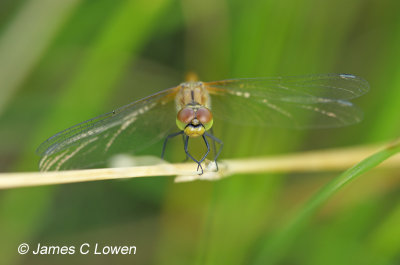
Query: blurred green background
{"x": 65, "y": 61}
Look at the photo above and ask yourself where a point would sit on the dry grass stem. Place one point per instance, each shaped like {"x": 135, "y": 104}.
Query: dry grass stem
{"x": 312, "y": 161}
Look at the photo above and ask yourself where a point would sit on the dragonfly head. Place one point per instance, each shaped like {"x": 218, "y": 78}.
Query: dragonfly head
{"x": 194, "y": 120}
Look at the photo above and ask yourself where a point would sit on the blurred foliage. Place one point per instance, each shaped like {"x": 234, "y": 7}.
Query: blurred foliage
{"x": 64, "y": 63}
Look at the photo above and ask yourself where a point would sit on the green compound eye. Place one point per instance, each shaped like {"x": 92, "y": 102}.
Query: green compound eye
{"x": 181, "y": 125}
{"x": 208, "y": 125}
{"x": 184, "y": 117}
{"x": 204, "y": 115}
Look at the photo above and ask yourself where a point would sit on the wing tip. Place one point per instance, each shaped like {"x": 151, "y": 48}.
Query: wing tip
{"x": 364, "y": 85}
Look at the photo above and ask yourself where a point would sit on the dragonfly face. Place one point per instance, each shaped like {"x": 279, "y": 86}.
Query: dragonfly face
{"x": 194, "y": 120}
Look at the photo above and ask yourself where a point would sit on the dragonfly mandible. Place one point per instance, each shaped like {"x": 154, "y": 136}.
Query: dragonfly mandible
{"x": 313, "y": 101}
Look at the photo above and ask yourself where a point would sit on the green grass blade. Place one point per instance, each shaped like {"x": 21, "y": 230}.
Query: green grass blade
{"x": 276, "y": 245}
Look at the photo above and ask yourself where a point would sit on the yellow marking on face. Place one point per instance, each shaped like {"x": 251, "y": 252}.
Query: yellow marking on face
{"x": 194, "y": 131}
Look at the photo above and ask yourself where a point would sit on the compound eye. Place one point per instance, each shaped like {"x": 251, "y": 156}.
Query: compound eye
{"x": 186, "y": 115}
{"x": 204, "y": 115}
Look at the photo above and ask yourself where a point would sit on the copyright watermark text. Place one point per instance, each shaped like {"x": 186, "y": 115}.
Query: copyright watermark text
{"x": 82, "y": 249}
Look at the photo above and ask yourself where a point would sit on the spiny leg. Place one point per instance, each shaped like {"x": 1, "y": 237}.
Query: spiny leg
{"x": 208, "y": 149}
{"x": 186, "y": 156}
{"x": 166, "y": 140}
{"x": 189, "y": 155}
{"x": 215, "y": 139}
{"x": 213, "y": 143}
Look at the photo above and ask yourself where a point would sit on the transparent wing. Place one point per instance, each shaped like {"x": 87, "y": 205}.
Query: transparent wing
{"x": 128, "y": 129}
{"x": 315, "y": 101}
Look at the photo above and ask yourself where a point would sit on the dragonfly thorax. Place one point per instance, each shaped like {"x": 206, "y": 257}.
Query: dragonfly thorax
{"x": 192, "y": 93}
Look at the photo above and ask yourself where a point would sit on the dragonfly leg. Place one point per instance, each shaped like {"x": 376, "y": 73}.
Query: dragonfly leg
{"x": 208, "y": 150}
{"x": 186, "y": 156}
{"x": 189, "y": 155}
{"x": 213, "y": 143}
{"x": 166, "y": 140}
{"x": 215, "y": 139}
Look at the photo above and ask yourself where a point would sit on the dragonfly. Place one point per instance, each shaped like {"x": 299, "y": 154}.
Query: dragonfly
{"x": 312, "y": 101}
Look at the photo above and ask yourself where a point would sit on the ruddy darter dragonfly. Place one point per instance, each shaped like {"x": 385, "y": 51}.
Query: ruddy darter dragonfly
{"x": 315, "y": 101}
